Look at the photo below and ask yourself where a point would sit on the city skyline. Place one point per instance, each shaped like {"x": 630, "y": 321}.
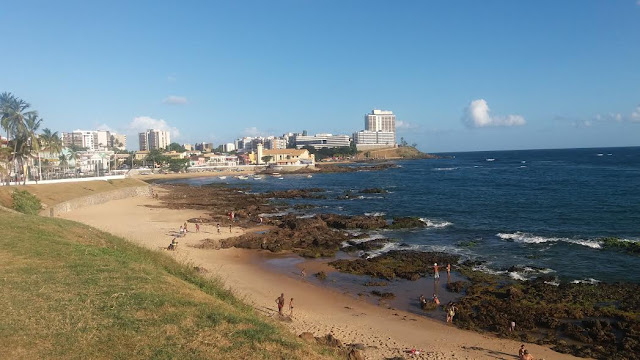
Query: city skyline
{"x": 459, "y": 76}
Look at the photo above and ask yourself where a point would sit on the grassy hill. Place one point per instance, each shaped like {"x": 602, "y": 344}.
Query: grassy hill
{"x": 401, "y": 152}
{"x": 71, "y": 291}
{"x": 51, "y": 194}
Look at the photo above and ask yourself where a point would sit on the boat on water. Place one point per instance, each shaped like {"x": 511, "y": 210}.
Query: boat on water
{"x": 275, "y": 174}
{"x": 281, "y": 178}
{"x": 242, "y": 177}
{"x": 490, "y": 159}
{"x": 257, "y": 177}
{"x": 222, "y": 177}
{"x": 309, "y": 176}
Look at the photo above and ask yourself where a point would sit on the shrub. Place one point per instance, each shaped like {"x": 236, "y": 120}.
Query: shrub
{"x": 25, "y": 202}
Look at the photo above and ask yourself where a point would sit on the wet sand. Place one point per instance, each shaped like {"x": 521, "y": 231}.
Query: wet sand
{"x": 320, "y": 310}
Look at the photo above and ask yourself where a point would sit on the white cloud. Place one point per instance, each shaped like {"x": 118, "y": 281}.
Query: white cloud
{"x": 635, "y": 115}
{"x": 251, "y": 131}
{"x": 477, "y": 115}
{"x": 404, "y": 125}
{"x": 104, "y": 127}
{"x": 142, "y": 123}
{"x": 175, "y": 100}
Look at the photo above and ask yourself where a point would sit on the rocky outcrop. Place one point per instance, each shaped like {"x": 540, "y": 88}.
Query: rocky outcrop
{"x": 403, "y": 264}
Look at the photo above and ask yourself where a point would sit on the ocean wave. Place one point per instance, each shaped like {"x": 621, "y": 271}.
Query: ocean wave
{"x": 435, "y": 223}
{"x": 445, "y": 169}
{"x": 306, "y": 216}
{"x": 534, "y": 239}
{"x": 522, "y": 274}
{"x": 415, "y": 247}
{"x": 591, "y": 281}
{"x": 377, "y": 213}
{"x": 363, "y": 240}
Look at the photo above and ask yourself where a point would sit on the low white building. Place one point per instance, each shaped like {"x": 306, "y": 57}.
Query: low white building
{"x": 322, "y": 141}
{"x": 366, "y": 139}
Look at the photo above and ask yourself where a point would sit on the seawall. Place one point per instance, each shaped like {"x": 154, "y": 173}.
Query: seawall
{"x": 95, "y": 199}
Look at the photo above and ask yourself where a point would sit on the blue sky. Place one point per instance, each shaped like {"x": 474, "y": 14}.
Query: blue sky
{"x": 460, "y": 75}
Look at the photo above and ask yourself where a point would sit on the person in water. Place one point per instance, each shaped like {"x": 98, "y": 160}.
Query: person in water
{"x": 436, "y": 273}
{"x": 435, "y": 299}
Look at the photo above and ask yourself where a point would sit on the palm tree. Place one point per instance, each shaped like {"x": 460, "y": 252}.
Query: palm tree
{"x": 63, "y": 160}
{"x": 51, "y": 142}
{"x": 13, "y": 120}
{"x": 32, "y": 124}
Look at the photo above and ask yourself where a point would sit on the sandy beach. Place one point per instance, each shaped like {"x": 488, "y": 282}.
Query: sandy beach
{"x": 384, "y": 332}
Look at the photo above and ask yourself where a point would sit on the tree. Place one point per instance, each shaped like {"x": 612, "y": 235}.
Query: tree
{"x": 266, "y": 159}
{"x": 156, "y": 156}
{"x": 50, "y": 142}
{"x": 32, "y": 124}
{"x": 403, "y": 142}
{"x": 177, "y": 165}
{"x": 13, "y": 120}
{"x": 176, "y": 147}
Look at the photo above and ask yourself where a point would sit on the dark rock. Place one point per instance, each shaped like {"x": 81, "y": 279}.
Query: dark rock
{"x": 374, "y": 191}
{"x": 403, "y": 264}
{"x": 329, "y": 340}
{"x": 321, "y": 275}
{"x": 384, "y": 295}
{"x": 353, "y": 222}
{"x": 355, "y": 354}
{"x": 307, "y": 337}
{"x": 406, "y": 223}
{"x": 456, "y": 286}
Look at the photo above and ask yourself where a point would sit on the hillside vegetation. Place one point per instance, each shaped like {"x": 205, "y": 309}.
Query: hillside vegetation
{"x": 51, "y": 194}
{"x": 401, "y": 152}
{"x": 71, "y": 291}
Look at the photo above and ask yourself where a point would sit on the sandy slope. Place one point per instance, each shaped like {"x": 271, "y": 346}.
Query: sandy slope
{"x": 384, "y": 332}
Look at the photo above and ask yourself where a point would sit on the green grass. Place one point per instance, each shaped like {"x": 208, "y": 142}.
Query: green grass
{"x": 71, "y": 291}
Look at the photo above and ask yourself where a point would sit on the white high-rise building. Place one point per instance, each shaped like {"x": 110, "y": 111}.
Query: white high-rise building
{"x": 154, "y": 139}
{"x": 380, "y": 120}
{"x": 379, "y": 130}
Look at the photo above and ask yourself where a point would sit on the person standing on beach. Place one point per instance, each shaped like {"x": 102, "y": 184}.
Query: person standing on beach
{"x": 229, "y": 228}
{"x": 280, "y": 302}
{"x": 197, "y": 227}
{"x": 181, "y": 231}
{"x": 218, "y": 226}
{"x": 185, "y": 227}
{"x": 291, "y": 307}
{"x": 436, "y": 271}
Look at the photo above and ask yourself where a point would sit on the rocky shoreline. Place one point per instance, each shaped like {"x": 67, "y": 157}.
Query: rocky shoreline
{"x": 588, "y": 320}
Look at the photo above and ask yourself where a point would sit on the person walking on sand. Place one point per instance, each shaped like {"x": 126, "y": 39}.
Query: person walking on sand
{"x": 229, "y": 228}
{"x": 181, "y": 231}
{"x": 280, "y": 302}
{"x": 291, "y": 307}
{"x": 197, "y": 227}
{"x": 218, "y": 226}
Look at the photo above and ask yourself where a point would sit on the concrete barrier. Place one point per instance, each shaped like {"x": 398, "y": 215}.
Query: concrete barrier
{"x": 99, "y": 198}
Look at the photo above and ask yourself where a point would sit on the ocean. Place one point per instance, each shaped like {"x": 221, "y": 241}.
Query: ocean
{"x": 540, "y": 210}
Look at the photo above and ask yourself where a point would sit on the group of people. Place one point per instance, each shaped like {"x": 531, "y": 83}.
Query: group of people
{"x": 280, "y": 301}
{"x": 182, "y": 232}
{"x": 523, "y": 354}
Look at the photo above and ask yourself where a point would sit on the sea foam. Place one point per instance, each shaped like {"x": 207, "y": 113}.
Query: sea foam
{"x": 435, "y": 223}
{"x": 534, "y": 239}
